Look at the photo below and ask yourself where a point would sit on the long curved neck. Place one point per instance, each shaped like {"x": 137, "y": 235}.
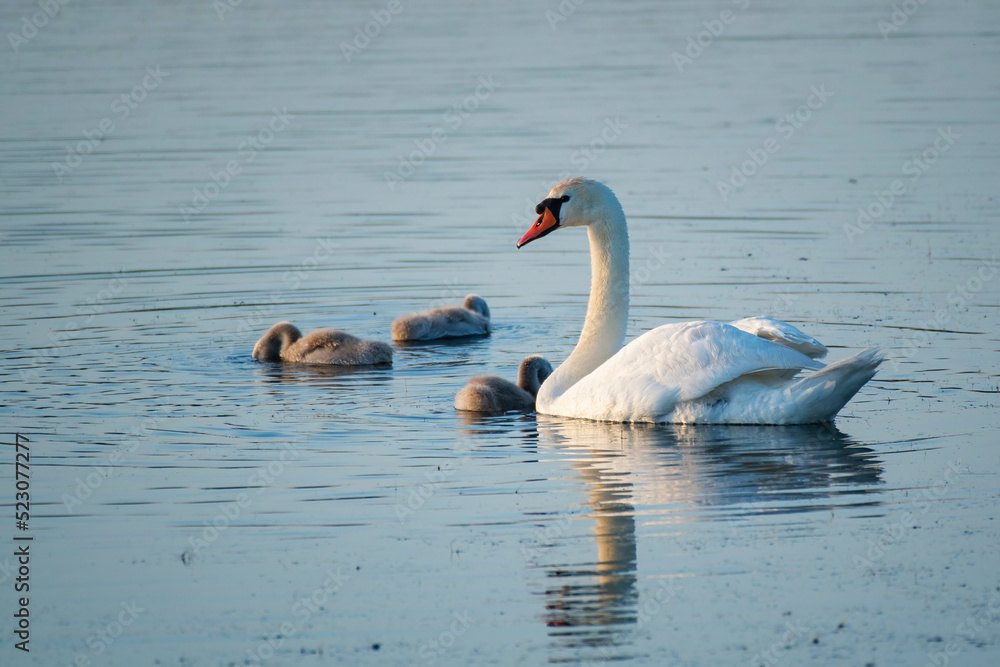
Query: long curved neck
{"x": 607, "y": 310}
{"x": 532, "y": 373}
{"x": 281, "y": 337}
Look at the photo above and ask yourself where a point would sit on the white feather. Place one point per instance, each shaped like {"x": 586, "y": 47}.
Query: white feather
{"x": 691, "y": 372}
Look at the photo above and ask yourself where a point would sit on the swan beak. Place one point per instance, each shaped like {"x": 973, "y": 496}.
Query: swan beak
{"x": 545, "y": 224}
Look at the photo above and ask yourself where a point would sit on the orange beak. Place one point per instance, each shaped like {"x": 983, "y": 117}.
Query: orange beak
{"x": 545, "y": 224}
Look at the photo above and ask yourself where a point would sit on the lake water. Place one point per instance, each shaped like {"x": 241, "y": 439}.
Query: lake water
{"x": 178, "y": 176}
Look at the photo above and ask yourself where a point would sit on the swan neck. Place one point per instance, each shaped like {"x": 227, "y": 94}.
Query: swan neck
{"x": 527, "y": 379}
{"x": 281, "y": 337}
{"x": 607, "y": 309}
{"x": 288, "y": 336}
{"x": 532, "y": 374}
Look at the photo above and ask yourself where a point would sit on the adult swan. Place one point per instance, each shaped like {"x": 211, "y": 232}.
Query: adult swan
{"x": 690, "y": 372}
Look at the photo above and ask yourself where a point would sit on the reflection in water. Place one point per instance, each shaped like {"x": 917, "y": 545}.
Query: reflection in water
{"x": 319, "y": 373}
{"x": 678, "y": 474}
{"x": 589, "y": 605}
{"x": 480, "y": 424}
{"x": 460, "y": 341}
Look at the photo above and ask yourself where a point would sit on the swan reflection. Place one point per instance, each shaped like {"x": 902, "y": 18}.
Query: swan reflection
{"x": 667, "y": 476}
{"x": 322, "y": 375}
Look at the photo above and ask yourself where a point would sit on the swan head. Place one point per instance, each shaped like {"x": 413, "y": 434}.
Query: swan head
{"x": 576, "y": 202}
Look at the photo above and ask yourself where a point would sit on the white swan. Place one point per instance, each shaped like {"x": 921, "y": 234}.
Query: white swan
{"x": 494, "y": 395}
{"x": 284, "y": 342}
{"x": 472, "y": 318}
{"x": 691, "y": 372}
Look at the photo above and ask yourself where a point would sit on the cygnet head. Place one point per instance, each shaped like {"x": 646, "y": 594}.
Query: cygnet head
{"x": 477, "y": 304}
{"x": 575, "y": 202}
{"x": 533, "y": 372}
{"x": 277, "y": 338}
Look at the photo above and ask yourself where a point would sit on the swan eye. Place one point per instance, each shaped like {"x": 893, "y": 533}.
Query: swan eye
{"x": 552, "y": 204}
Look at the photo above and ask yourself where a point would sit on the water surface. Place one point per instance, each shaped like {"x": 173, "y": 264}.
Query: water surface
{"x": 247, "y": 513}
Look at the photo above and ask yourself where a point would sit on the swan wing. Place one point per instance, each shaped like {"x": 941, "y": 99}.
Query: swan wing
{"x": 672, "y": 363}
{"x": 782, "y": 332}
{"x": 462, "y": 322}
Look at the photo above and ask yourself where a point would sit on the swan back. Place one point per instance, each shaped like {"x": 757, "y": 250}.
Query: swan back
{"x": 784, "y": 333}
{"x": 285, "y": 342}
{"x": 470, "y": 319}
{"x": 337, "y": 348}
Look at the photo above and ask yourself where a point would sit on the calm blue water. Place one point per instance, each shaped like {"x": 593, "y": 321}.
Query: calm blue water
{"x": 176, "y": 177}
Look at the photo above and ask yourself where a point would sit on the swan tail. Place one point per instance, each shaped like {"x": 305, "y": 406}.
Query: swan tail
{"x": 472, "y": 398}
{"x": 820, "y": 396}
{"x": 410, "y": 327}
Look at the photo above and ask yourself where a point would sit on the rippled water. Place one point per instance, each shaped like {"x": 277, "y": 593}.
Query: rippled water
{"x": 191, "y": 506}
